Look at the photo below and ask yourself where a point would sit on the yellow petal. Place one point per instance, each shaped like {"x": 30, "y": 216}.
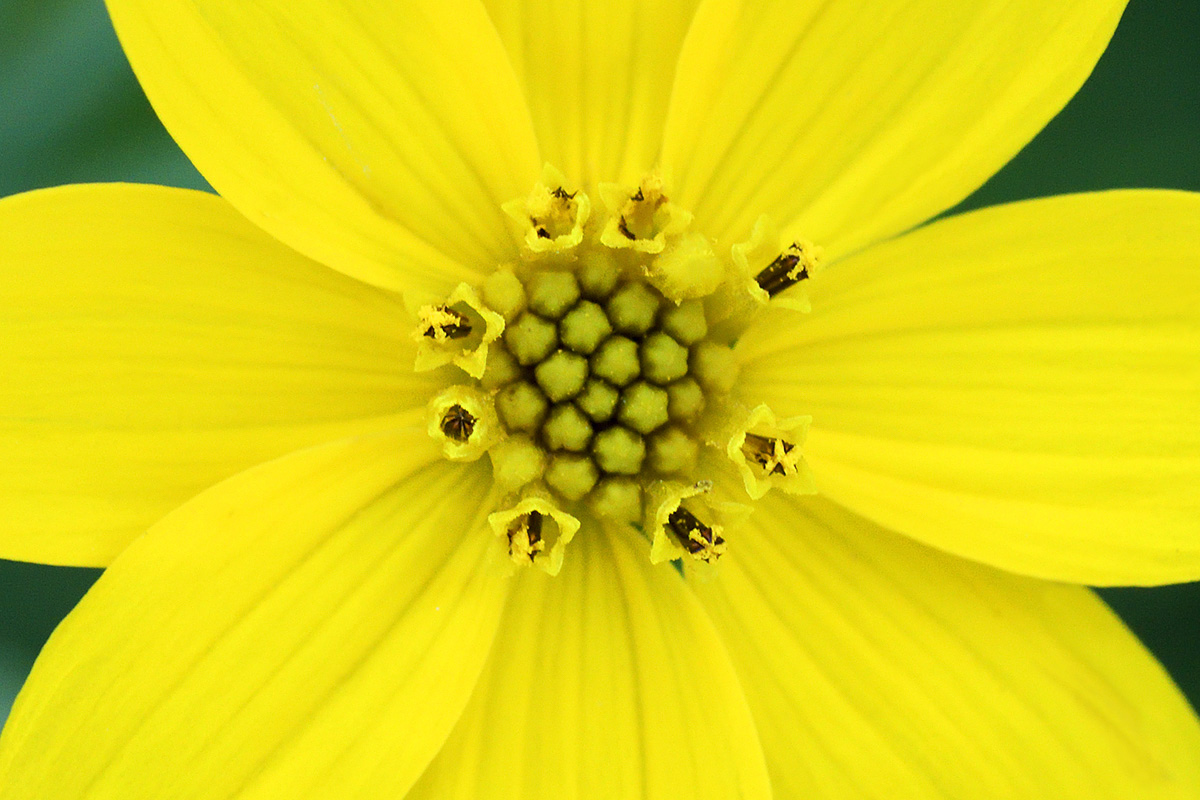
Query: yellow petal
{"x": 152, "y": 343}
{"x": 848, "y": 122}
{"x": 310, "y": 628}
{"x": 379, "y": 138}
{"x": 880, "y": 669}
{"x": 1020, "y": 385}
{"x": 597, "y": 76}
{"x": 606, "y": 681}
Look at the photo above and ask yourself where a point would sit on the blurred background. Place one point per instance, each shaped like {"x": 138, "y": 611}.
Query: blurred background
{"x": 71, "y": 111}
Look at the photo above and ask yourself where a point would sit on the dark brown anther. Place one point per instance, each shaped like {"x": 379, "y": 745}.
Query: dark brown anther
{"x": 450, "y": 324}
{"x": 525, "y": 536}
{"x": 637, "y": 218}
{"x": 786, "y": 270}
{"x": 458, "y": 423}
{"x": 534, "y": 526}
{"x": 693, "y": 534}
{"x": 563, "y": 194}
{"x": 770, "y": 454}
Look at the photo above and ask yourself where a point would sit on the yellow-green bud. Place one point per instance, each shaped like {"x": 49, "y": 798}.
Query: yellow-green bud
{"x": 643, "y": 407}
{"x": 551, "y": 294}
{"x": 598, "y": 400}
{"x": 663, "y": 358}
{"x": 567, "y": 429}
{"x": 685, "y": 322}
{"x": 571, "y": 475}
{"x": 531, "y": 338}
{"x": 617, "y": 360}
{"x": 522, "y": 406}
{"x": 584, "y": 327}
{"x": 561, "y": 376}
{"x": 619, "y": 450}
{"x": 633, "y": 309}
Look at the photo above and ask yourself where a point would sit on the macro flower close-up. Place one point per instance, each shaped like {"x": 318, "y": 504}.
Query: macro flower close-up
{"x": 589, "y": 399}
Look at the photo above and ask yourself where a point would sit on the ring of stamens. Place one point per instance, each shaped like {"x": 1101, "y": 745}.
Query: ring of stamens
{"x": 604, "y": 371}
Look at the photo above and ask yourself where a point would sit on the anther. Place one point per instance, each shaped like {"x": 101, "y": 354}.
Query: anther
{"x": 551, "y": 218}
{"x": 458, "y": 423}
{"x": 643, "y": 220}
{"x": 536, "y": 532}
{"x": 789, "y": 268}
{"x": 525, "y": 536}
{"x": 700, "y": 540}
{"x": 638, "y": 214}
{"x": 556, "y": 215}
{"x": 775, "y": 456}
{"x": 462, "y": 419}
{"x": 678, "y": 531}
{"x": 772, "y": 458}
{"x": 442, "y": 323}
{"x": 623, "y": 226}
{"x": 457, "y": 330}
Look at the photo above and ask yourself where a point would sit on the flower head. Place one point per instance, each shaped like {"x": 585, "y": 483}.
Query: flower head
{"x": 561, "y": 399}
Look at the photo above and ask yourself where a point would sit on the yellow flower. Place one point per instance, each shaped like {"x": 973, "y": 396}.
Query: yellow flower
{"x": 323, "y": 562}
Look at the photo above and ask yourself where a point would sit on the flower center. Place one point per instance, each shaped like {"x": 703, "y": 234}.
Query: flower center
{"x": 604, "y": 373}
{"x": 602, "y": 378}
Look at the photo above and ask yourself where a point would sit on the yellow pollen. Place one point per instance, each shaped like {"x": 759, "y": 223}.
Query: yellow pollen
{"x": 441, "y": 323}
{"x": 703, "y": 542}
{"x": 525, "y": 537}
{"x": 552, "y": 217}
{"x": 775, "y": 456}
{"x": 552, "y": 213}
{"x": 637, "y": 217}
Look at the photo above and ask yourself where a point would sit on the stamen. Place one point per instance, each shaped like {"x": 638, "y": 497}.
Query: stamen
{"x": 463, "y": 420}
{"x": 552, "y": 217}
{"x": 555, "y": 215}
{"x": 641, "y": 220}
{"x": 788, "y": 269}
{"x": 457, "y": 330}
{"x": 677, "y": 529}
{"x": 525, "y": 537}
{"x": 700, "y": 540}
{"x": 639, "y": 213}
{"x": 775, "y": 456}
{"x": 535, "y": 531}
{"x": 458, "y": 423}
{"x": 442, "y": 323}
{"x": 769, "y": 453}
{"x": 767, "y": 272}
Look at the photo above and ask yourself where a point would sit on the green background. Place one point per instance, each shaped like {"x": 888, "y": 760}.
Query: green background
{"x": 71, "y": 111}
